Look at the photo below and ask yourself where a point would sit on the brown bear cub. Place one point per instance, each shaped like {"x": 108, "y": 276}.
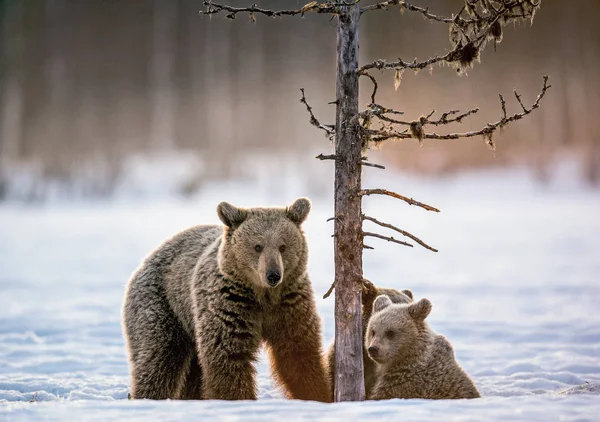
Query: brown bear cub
{"x": 369, "y": 294}
{"x": 412, "y": 361}
{"x": 200, "y": 306}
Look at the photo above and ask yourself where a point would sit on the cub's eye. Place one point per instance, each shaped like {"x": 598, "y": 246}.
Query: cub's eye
{"x": 389, "y": 334}
{"x": 373, "y": 333}
{"x": 258, "y": 248}
{"x": 282, "y": 248}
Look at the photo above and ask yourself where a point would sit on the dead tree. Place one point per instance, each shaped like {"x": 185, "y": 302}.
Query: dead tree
{"x": 354, "y": 131}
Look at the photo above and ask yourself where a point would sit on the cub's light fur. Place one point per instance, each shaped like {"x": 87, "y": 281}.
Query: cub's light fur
{"x": 370, "y": 292}
{"x": 199, "y": 307}
{"x": 412, "y": 361}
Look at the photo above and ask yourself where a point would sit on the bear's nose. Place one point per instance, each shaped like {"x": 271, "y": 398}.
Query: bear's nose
{"x": 273, "y": 277}
{"x": 373, "y": 350}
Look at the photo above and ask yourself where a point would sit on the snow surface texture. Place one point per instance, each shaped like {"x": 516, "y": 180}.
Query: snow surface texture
{"x": 515, "y": 288}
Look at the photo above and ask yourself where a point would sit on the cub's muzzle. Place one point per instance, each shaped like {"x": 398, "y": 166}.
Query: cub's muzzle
{"x": 373, "y": 351}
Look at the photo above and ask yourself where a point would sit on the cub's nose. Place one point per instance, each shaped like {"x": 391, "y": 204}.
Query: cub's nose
{"x": 273, "y": 277}
{"x": 373, "y": 350}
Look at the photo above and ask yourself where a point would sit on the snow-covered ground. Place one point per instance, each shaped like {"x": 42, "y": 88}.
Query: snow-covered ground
{"x": 515, "y": 287}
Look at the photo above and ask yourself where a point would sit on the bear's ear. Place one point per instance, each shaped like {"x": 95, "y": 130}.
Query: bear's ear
{"x": 420, "y": 310}
{"x": 231, "y": 216}
{"x": 381, "y": 302}
{"x": 408, "y": 293}
{"x": 298, "y": 211}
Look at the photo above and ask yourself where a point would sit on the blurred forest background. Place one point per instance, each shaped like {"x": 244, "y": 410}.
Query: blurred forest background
{"x": 92, "y": 89}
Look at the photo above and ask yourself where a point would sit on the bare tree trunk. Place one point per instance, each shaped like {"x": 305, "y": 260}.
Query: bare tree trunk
{"x": 349, "y": 384}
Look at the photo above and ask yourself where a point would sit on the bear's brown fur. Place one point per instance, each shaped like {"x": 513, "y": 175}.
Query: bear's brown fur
{"x": 412, "y": 361}
{"x": 200, "y": 306}
{"x": 370, "y": 292}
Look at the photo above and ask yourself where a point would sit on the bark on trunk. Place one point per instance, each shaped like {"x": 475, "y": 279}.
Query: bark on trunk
{"x": 349, "y": 384}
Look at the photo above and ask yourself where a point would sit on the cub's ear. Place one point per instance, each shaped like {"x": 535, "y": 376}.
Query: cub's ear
{"x": 231, "y": 216}
{"x": 420, "y": 310}
{"x": 408, "y": 293}
{"x": 298, "y": 211}
{"x": 381, "y": 302}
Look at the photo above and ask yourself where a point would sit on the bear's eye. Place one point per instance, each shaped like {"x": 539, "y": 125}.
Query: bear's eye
{"x": 282, "y": 248}
{"x": 389, "y": 334}
{"x": 373, "y": 333}
{"x": 258, "y": 248}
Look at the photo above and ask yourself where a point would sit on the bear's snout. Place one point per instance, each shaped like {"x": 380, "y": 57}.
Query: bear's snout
{"x": 273, "y": 276}
{"x": 373, "y": 351}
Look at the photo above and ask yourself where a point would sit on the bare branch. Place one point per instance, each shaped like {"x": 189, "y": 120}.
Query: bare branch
{"x": 393, "y": 111}
{"x": 410, "y": 201}
{"x": 518, "y": 97}
{"x": 380, "y": 112}
{"x": 329, "y": 7}
{"x": 424, "y": 11}
{"x": 363, "y": 162}
{"x": 468, "y": 35}
{"x": 381, "y": 64}
{"x": 367, "y": 247}
{"x": 379, "y": 166}
{"x": 402, "y": 232}
{"x": 388, "y": 238}
{"x": 444, "y": 119}
{"x": 328, "y": 129}
{"x": 503, "y": 104}
{"x": 328, "y": 293}
{"x": 487, "y": 131}
{"x": 375, "y": 86}
{"x": 325, "y": 157}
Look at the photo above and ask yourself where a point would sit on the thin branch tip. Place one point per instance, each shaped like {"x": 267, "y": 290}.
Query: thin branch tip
{"x": 388, "y": 238}
{"x": 410, "y": 201}
{"x": 328, "y": 129}
{"x": 417, "y": 127}
{"x": 326, "y": 157}
{"x": 402, "y": 232}
{"x": 329, "y": 291}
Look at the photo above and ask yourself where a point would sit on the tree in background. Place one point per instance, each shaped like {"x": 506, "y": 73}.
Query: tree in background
{"x": 355, "y": 131}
